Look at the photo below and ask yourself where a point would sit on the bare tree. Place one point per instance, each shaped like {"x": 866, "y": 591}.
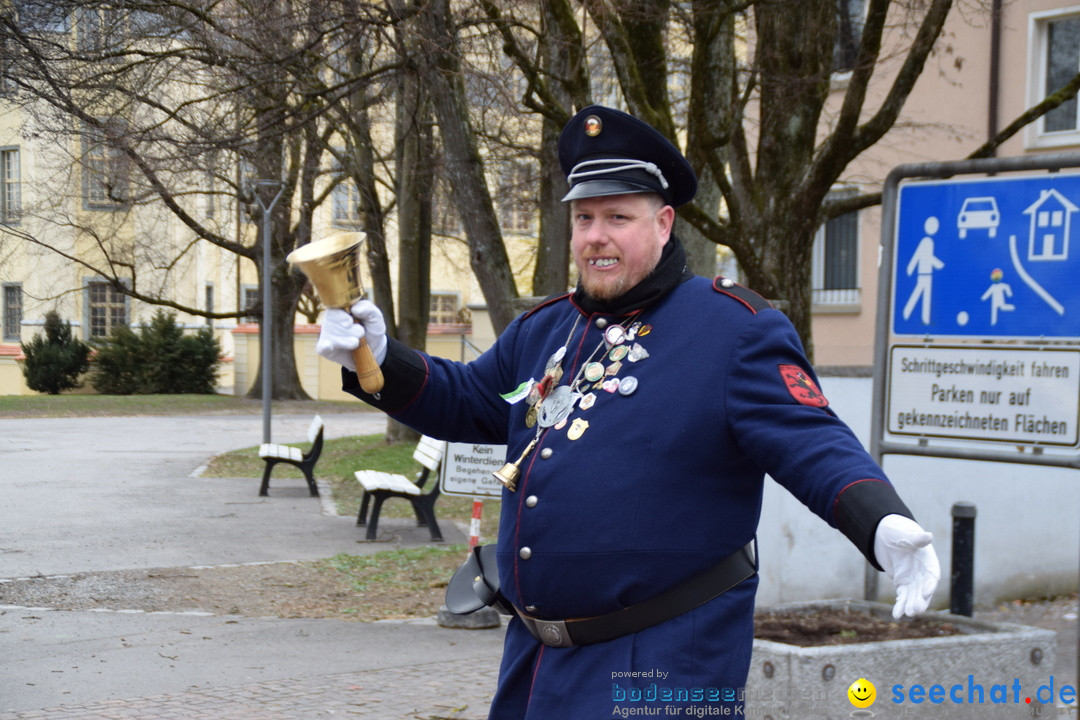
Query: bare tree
{"x": 183, "y": 103}
{"x": 748, "y": 84}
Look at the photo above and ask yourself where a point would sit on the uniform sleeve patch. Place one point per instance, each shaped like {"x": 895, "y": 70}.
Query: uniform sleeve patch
{"x": 802, "y": 387}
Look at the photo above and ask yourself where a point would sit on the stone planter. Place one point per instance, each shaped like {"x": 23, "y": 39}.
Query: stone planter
{"x": 1009, "y": 663}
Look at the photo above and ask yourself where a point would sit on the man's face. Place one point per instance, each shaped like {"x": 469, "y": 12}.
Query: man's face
{"x": 617, "y": 240}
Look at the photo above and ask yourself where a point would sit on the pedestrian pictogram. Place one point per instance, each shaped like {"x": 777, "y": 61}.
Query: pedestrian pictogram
{"x": 989, "y": 258}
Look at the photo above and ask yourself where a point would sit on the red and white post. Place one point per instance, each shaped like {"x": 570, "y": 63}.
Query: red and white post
{"x": 474, "y": 524}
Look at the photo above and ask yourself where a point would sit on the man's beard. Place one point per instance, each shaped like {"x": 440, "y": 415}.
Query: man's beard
{"x": 606, "y": 290}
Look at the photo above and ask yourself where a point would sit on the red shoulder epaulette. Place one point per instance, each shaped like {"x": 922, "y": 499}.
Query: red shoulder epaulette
{"x": 547, "y": 301}
{"x": 747, "y": 297}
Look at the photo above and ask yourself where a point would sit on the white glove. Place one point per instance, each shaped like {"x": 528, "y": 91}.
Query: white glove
{"x": 904, "y": 551}
{"x": 342, "y": 331}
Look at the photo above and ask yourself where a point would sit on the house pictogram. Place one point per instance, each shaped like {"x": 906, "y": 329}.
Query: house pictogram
{"x": 1048, "y": 237}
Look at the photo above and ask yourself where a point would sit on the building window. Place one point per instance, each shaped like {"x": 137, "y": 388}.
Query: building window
{"x": 517, "y": 198}
{"x": 1054, "y": 60}
{"x": 8, "y": 70}
{"x": 849, "y": 27}
{"x": 344, "y": 199}
{"x": 13, "y": 312}
{"x": 209, "y": 301}
{"x": 835, "y": 268}
{"x": 443, "y": 309}
{"x": 444, "y": 214}
{"x": 107, "y": 308}
{"x": 105, "y": 176}
{"x": 253, "y": 300}
{"x": 43, "y": 16}
{"x": 11, "y": 193}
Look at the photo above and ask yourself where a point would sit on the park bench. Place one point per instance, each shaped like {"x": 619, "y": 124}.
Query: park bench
{"x": 272, "y": 454}
{"x": 381, "y": 486}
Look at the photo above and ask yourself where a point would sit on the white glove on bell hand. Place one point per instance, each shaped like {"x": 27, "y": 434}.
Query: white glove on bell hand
{"x": 342, "y": 331}
{"x": 904, "y": 551}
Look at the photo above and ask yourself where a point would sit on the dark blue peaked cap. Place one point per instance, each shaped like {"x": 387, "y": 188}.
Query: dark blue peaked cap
{"x": 607, "y": 152}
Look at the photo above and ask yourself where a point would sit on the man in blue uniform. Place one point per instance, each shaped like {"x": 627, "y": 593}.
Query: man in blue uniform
{"x": 643, "y": 410}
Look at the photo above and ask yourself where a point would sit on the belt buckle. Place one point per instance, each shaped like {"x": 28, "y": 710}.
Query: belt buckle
{"x": 550, "y": 632}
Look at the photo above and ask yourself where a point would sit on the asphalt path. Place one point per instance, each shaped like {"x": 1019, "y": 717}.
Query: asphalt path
{"x": 92, "y": 494}
{"x": 84, "y": 494}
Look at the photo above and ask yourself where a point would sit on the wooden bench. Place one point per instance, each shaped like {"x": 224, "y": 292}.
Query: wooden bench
{"x": 383, "y": 485}
{"x": 273, "y": 454}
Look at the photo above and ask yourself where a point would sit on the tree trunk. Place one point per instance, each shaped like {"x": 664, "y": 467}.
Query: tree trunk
{"x": 783, "y": 275}
{"x": 559, "y": 54}
{"x": 552, "y": 272}
{"x": 413, "y": 146}
{"x": 285, "y": 285}
{"x": 464, "y": 164}
{"x": 285, "y": 380}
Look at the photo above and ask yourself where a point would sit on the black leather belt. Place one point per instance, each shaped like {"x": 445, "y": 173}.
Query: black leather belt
{"x": 671, "y": 603}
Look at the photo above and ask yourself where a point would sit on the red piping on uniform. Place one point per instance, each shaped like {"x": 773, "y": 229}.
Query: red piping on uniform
{"x": 427, "y": 376}
{"x": 844, "y": 489}
{"x": 731, "y": 295}
{"x": 545, "y": 303}
{"x": 521, "y": 499}
{"x": 536, "y": 671}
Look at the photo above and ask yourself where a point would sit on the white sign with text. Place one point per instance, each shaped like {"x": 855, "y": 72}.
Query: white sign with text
{"x": 467, "y": 469}
{"x": 973, "y": 392}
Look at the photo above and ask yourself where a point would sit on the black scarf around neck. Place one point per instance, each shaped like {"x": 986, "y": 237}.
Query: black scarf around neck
{"x": 668, "y": 274}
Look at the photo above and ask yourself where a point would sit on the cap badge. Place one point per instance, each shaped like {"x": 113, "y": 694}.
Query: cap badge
{"x": 593, "y": 126}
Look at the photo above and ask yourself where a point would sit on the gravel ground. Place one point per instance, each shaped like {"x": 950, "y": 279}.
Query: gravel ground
{"x": 288, "y": 590}
{"x": 313, "y": 590}
{"x": 1059, "y": 614}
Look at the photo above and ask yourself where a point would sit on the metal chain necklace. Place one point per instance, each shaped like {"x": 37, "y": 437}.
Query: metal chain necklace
{"x": 553, "y": 403}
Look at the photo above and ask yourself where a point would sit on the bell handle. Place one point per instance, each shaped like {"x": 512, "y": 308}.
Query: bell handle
{"x": 367, "y": 370}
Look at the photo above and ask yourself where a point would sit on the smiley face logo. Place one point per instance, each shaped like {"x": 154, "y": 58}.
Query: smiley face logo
{"x": 862, "y": 693}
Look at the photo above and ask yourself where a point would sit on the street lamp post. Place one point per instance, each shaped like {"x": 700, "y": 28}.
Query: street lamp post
{"x": 268, "y": 313}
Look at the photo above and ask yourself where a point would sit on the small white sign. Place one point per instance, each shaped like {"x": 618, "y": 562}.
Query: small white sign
{"x": 467, "y": 469}
{"x": 972, "y": 392}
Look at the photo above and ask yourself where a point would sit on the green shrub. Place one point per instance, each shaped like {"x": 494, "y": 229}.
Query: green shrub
{"x": 160, "y": 359}
{"x": 118, "y": 363}
{"x": 55, "y": 361}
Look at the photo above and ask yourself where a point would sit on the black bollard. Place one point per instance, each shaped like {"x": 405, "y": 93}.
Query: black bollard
{"x": 962, "y": 591}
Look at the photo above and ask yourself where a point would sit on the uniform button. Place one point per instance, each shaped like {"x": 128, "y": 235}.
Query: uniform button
{"x": 546, "y": 453}
{"x": 727, "y": 283}
{"x": 531, "y": 501}
{"x": 531, "y": 608}
{"x": 525, "y": 553}
{"x": 601, "y": 322}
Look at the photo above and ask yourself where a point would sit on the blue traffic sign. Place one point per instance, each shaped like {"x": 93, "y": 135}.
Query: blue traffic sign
{"x": 995, "y": 258}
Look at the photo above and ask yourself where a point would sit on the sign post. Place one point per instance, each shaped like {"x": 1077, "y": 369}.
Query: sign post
{"x": 978, "y": 324}
{"x": 977, "y": 351}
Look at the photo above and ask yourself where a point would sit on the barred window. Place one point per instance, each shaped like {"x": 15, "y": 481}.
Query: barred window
{"x": 443, "y": 309}
{"x": 107, "y": 308}
{"x": 43, "y": 16}
{"x": 849, "y": 27}
{"x": 1061, "y": 63}
{"x": 253, "y": 299}
{"x": 344, "y": 199}
{"x": 11, "y": 193}
{"x": 835, "y": 268}
{"x": 13, "y": 312}
{"x": 105, "y": 168}
{"x": 517, "y": 197}
{"x": 209, "y": 301}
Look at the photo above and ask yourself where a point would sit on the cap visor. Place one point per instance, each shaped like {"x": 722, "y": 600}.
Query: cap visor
{"x": 599, "y": 188}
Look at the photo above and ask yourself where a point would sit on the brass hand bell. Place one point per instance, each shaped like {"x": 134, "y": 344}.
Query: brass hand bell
{"x": 509, "y": 473}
